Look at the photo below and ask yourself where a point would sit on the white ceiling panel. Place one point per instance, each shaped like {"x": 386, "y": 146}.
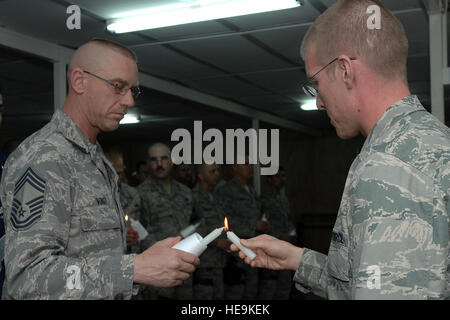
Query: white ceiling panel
{"x": 167, "y": 63}
{"x": 46, "y": 20}
{"x": 279, "y": 17}
{"x": 283, "y": 81}
{"x": 252, "y": 60}
{"x": 226, "y": 87}
{"x": 285, "y": 41}
{"x": 187, "y": 31}
{"x": 235, "y": 54}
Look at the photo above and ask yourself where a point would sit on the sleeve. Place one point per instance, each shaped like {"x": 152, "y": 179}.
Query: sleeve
{"x": 400, "y": 233}
{"x": 311, "y": 275}
{"x": 38, "y": 201}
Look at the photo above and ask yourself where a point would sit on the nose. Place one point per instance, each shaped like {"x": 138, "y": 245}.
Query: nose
{"x": 128, "y": 100}
{"x": 319, "y": 103}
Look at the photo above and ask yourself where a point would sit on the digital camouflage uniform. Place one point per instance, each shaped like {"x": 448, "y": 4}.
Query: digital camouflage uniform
{"x": 208, "y": 277}
{"x": 131, "y": 205}
{"x": 391, "y": 236}
{"x": 276, "y": 284}
{"x": 65, "y": 229}
{"x": 165, "y": 215}
{"x": 242, "y": 208}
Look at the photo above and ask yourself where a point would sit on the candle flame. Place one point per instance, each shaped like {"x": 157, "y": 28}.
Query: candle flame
{"x": 225, "y": 222}
{"x": 126, "y": 218}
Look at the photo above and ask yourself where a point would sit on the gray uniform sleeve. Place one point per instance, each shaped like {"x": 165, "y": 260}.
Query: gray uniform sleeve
{"x": 39, "y": 228}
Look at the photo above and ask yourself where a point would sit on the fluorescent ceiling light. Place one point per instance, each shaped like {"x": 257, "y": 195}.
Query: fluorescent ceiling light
{"x": 309, "y": 105}
{"x": 130, "y": 118}
{"x": 193, "y": 11}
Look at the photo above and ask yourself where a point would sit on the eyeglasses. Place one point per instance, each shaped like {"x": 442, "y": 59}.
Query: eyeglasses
{"x": 156, "y": 159}
{"x": 135, "y": 91}
{"x": 309, "y": 87}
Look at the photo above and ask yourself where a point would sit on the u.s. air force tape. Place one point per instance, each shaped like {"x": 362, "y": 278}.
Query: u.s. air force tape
{"x": 28, "y": 200}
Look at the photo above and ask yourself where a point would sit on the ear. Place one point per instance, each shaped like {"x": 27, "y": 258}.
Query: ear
{"x": 346, "y": 71}
{"x": 78, "y": 80}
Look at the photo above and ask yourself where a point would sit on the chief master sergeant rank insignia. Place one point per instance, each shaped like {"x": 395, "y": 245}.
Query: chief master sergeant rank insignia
{"x": 28, "y": 200}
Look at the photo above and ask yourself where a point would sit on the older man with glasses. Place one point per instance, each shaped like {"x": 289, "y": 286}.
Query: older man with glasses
{"x": 391, "y": 236}
{"x": 166, "y": 211}
{"x": 65, "y": 228}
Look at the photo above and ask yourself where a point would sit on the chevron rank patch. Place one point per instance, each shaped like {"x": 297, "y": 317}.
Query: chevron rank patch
{"x": 28, "y": 200}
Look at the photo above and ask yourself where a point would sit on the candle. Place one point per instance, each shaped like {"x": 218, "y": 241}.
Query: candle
{"x": 235, "y": 239}
{"x": 127, "y": 222}
{"x": 212, "y": 236}
{"x": 189, "y": 230}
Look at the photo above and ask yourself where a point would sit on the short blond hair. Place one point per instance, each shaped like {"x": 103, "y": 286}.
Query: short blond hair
{"x": 92, "y": 53}
{"x": 343, "y": 29}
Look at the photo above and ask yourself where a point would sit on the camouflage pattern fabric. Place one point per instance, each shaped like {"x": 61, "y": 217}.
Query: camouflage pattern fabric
{"x": 131, "y": 204}
{"x": 276, "y": 285}
{"x": 65, "y": 229}
{"x": 242, "y": 207}
{"x": 130, "y": 201}
{"x": 208, "y": 277}
{"x": 275, "y": 206}
{"x": 391, "y": 236}
{"x": 165, "y": 215}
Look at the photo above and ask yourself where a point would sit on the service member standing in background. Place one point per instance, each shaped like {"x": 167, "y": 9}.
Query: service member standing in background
{"x": 166, "y": 209}
{"x": 208, "y": 278}
{"x": 391, "y": 236}
{"x": 130, "y": 200}
{"x": 276, "y": 285}
{"x": 243, "y": 209}
{"x": 65, "y": 230}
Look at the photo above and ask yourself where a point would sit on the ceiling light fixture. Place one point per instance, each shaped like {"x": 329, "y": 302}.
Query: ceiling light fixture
{"x": 193, "y": 11}
{"x": 309, "y": 105}
{"x": 130, "y": 118}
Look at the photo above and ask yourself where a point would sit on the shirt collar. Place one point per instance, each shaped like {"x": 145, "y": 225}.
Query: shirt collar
{"x": 73, "y": 133}
{"x": 393, "y": 114}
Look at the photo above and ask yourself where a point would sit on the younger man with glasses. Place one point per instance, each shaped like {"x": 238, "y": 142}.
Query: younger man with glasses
{"x": 65, "y": 228}
{"x": 166, "y": 210}
{"x": 391, "y": 236}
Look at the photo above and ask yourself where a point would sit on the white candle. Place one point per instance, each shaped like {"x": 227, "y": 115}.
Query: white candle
{"x": 189, "y": 230}
{"x": 212, "y": 236}
{"x": 235, "y": 239}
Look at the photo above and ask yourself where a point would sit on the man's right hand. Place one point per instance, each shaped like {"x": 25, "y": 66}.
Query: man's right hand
{"x": 162, "y": 266}
{"x": 271, "y": 253}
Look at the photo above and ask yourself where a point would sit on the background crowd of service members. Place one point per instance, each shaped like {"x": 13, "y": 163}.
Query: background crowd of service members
{"x": 166, "y": 199}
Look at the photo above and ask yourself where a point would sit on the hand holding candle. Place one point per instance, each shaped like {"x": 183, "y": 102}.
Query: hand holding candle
{"x": 237, "y": 242}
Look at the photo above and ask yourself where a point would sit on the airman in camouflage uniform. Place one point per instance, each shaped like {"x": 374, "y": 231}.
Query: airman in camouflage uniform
{"x": 129, "y": 199}
{"x": 166, "y": 209}
{"x": 208, "y": 278}
{"x": 391, "y": 236}
{"x": 276, "y": 285}
{"x": 242, "y": 207}
{"x": 65, "y": 228}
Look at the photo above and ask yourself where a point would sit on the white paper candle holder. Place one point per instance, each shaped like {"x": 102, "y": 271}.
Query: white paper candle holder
{"x": 192, "y": 244}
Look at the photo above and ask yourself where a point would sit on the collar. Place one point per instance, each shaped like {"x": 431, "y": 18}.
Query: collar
{"x": 73, "y": 133}
{"x": 393, "y": 114}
